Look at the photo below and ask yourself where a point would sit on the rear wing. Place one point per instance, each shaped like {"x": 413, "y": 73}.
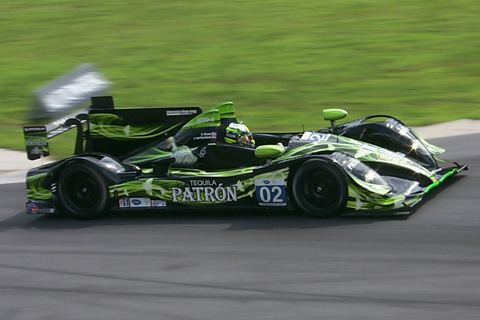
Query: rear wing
{"x": 108, "y": 130}
{"x": 36, "y": 137}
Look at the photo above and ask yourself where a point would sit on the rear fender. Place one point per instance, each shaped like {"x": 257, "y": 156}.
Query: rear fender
{"x": 111, "y": 169}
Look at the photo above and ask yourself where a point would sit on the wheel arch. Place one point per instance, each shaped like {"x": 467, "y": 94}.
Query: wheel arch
{"x": 107, "y": 166}
{"x": 343, "y": 181}
{"x": 87, "y": 196}
{"x": 295, "y": 166}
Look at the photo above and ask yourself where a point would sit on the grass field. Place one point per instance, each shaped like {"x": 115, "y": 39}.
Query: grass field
{"x": 279, "y": 61}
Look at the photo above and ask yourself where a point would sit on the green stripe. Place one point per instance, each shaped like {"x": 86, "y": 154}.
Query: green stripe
{"x": 436, "y": 184}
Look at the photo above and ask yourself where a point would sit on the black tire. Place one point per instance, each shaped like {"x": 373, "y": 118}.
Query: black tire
{"x": 82, "y": 191}
{"x": 320, "y": 189}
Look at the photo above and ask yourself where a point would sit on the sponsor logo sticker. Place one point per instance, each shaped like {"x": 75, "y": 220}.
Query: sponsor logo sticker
{"x": 159, "y": 203}
{"x": 271, "y": 192}
{"x": 206, "y": 136}
{"x": 205, "y": 120}
{"x": 124, "y": 203}
{"x": 46, "y": 210}
{"x": 32, "y": 208}
{"x": 315, "y": 136}
{"x": 205, "y": 191}
{"x": 183, "y": 112}
{"x": 140, "y": 203}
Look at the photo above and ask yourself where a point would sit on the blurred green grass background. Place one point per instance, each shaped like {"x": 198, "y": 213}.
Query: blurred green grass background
{"x": 280, "y": 61}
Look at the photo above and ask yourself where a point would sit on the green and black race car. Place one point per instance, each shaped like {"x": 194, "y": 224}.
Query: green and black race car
{"x": 181, "y": 157}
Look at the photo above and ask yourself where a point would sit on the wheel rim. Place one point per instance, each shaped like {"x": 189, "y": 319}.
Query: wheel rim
{"x": 320, "y": 189}
{"x": 83, "y": 191}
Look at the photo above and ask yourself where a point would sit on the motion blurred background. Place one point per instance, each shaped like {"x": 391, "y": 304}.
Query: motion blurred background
{"x": 280, "y": 61}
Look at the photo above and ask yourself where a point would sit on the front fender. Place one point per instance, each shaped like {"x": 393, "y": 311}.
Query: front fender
{"x": 393, "y": 135}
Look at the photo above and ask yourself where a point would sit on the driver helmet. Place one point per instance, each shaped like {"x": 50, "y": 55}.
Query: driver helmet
{"x": 239, "y": 133}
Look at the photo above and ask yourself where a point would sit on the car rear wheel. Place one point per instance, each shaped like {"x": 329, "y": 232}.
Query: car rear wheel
{"x": 319, "y": 188}
{"x": 82, "y": 191}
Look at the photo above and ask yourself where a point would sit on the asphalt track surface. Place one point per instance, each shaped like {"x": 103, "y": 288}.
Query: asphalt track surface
{"x": 249, "y": 265}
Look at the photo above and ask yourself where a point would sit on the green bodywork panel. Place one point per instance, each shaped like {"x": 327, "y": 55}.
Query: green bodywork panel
{"x": 164, "y": 189}
{"x": 36, "y": 189}
{"x": 358, "y": 150}
{"x": 103, "y": 125}
{"x": 212, "y": 117}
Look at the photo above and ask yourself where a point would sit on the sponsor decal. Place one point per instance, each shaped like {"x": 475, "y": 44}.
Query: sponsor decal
{"x": 352, "y": 163}
{"x": 46, "y": 210}
{"x": 140, "y": 203}
{"x": 206, "y": 136}
{"x": 205, "y": 120}
{"x": 271, "y": 192}
{"x": 36, "y": 151}
{"x": 34, "y": 129}
{"x": 204, "y": 191}
{"x": 182, "y": 112}
{"x": 32, "y": 208}
{"x": 124, "y": 203}
{"x": 36, "y": 142}
{"x": 159, "y": 203}
{"x": 315, "y": 136}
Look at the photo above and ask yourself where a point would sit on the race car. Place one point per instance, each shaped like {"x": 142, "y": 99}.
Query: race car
{"x": 176, "y": 158}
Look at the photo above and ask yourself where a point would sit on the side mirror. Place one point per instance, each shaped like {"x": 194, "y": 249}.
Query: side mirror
{"x": 334, "y": 114}
{"x": 269, "y": 151}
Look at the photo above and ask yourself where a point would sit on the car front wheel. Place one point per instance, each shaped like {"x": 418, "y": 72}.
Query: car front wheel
{"x": 320, "y": 189}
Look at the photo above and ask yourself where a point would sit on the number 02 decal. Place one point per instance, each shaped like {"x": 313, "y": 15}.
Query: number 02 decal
{"x": 271, "y": 192}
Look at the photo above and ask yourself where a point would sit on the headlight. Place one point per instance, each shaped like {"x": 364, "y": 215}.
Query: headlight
{"x": 362, "y": 173}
